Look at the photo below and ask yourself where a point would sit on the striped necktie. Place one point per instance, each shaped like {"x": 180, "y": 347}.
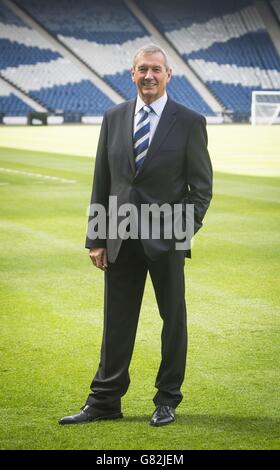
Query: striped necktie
{"x": 142, "y": 136}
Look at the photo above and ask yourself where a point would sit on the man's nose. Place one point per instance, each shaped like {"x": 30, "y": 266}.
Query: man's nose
{"x": 149, "y": 74}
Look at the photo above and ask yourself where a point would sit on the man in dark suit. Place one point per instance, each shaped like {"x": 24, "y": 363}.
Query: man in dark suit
{"x": 151, "y": 150}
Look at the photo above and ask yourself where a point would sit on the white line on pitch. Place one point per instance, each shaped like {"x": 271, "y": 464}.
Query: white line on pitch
{"x": 37, "y": 175}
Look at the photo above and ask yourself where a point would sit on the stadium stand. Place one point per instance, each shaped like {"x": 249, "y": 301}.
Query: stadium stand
{"x": 35, "y": 67}
{"x": 105, "y": 35}
{"x": 225, "y": 43}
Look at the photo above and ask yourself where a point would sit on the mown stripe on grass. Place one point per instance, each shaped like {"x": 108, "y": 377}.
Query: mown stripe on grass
{"x": 37, "y": 175}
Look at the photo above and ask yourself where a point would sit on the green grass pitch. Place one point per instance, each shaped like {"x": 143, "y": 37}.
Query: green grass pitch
{"x": 52, "y": 301}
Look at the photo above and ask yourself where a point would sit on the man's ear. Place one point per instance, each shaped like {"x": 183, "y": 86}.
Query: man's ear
{"x": 169, "y": 75}
{"x": 132, "y": 74}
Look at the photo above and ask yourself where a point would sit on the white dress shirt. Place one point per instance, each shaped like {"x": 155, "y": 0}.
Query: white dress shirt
{"x": 158, "y": 107}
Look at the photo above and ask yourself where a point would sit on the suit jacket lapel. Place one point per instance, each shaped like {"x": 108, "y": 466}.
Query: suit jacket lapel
{"x": 164, "y": 126}
{"x": 128, "y": 132}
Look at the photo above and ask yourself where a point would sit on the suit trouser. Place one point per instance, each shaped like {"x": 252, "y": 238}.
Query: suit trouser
{"x": 124, "y": 288}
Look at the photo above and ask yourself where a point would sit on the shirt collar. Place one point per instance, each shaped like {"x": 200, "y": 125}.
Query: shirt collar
{"x": 157, "y": 105}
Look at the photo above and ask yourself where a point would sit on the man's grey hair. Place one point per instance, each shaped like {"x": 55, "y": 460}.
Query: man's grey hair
{"x": 150, "y": 49}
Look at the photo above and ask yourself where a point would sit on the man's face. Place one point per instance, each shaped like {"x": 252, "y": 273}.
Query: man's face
{"x": 150, "y": 76}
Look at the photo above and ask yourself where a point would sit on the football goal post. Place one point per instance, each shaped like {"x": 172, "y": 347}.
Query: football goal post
{"x": 265, "y": 108}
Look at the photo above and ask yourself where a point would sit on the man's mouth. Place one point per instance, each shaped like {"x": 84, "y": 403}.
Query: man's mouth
{"x": 148, "y": 85}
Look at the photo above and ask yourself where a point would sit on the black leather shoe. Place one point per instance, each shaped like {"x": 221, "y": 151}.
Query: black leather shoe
{"x": 88, "y": 414}
{"x": 163, "y": 415}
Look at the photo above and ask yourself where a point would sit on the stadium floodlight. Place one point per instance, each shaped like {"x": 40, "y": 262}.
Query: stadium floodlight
{"x": 265, "y": 107}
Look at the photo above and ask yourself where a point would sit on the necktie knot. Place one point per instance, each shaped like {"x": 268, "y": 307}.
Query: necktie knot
{"x": 147, "y": 108}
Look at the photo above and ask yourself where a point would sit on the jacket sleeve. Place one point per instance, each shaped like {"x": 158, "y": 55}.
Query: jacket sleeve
{"x": 198, "y": 172}
{"x": 100, "y": 188}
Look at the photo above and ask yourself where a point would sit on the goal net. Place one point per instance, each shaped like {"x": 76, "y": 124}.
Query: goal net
{"x": 265, "y": 108}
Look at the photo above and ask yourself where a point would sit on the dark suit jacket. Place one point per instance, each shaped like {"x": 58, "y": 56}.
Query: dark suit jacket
{"x": 177, "y": 168}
